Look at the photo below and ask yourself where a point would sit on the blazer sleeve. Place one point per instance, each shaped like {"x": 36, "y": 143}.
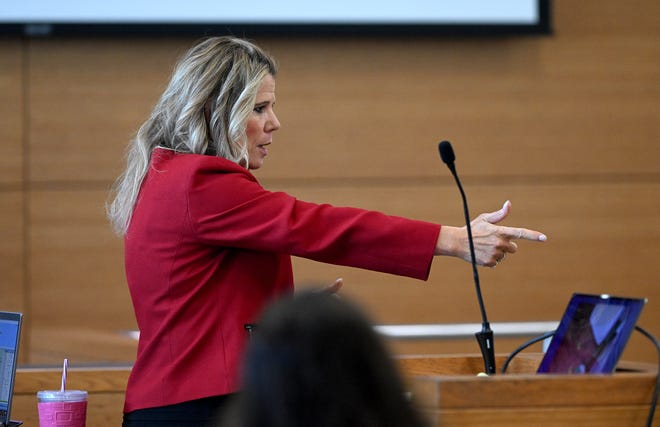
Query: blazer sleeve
{"x": 230, "y": 208}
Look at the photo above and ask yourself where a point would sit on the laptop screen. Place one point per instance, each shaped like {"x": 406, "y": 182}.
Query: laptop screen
{"x": 10, "y": 332}
{"x": 592, "y": 334}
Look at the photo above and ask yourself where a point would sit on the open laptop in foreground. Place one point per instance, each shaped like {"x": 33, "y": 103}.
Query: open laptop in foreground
{"x": 10, "y": 334}
{"x": 592, "y": 334}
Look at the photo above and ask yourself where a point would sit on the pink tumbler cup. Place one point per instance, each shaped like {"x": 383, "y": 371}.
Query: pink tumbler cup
{"x": 62, "y": 408}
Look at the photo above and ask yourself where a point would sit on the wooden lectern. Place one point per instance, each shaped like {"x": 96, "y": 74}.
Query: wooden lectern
{"x": 448, "y": 390}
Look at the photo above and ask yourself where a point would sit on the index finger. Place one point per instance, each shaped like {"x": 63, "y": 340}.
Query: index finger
{"x": 523, "y": 233}
{"x": 335, "y": 287}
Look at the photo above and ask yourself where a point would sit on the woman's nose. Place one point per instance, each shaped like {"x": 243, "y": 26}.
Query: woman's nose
{"x": 272, "y": 124}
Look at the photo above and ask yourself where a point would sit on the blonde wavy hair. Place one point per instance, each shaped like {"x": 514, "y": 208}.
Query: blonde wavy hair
{"x": 203, "y": 110}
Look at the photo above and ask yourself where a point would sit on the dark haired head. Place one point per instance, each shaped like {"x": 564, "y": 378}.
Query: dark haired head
{"x": 315, "y": 360}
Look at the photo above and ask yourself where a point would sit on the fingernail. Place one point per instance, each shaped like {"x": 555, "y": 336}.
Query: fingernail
{"x": 543, "y": 237}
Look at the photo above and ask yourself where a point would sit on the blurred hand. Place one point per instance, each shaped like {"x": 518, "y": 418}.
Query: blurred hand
{"x": 334, "y": 288}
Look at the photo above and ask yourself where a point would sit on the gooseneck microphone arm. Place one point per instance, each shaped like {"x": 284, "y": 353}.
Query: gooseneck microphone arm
{"x": 485, "y": 336}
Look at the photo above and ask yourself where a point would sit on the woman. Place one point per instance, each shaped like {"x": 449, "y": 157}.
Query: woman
{"x": 315, "y": 360}
{"x": 206, "y": 247}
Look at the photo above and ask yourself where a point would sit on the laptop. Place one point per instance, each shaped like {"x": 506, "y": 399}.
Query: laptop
{"x": 592, "y": 334}
{"x": 10, "y": 334}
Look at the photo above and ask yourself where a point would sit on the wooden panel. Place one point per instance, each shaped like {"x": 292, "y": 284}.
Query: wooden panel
{"x": 82, "y": 343}
{"x": 88, "y": 97}
{"x": 605, "y": 18}
{"x": 78, "y": 284}
{"x": 11, "y": 251}
{"x": 564, "y": 104}
{"x": 566, "y": 390}
{"x": 93, "y": 380}
{"x": 463, "y": 364}
{"x": 12, "y": 258}
{"x": 446, "y": 389}
{"x": 11, "y": 111}
{"x": 596, "y": 416}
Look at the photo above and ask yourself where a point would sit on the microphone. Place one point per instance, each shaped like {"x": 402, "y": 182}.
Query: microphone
{"x": 485, "y": 336}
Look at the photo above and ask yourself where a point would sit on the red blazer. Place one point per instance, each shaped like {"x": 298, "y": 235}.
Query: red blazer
{"x": 208, "y": 248}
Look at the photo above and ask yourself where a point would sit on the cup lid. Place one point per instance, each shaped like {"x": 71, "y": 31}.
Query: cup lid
{"x": 62, "y": 396}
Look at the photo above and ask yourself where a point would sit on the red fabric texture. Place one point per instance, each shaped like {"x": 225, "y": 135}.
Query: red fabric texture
{"x": 208, "y": 248}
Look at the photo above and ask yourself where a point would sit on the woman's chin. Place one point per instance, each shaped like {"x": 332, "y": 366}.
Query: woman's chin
{"x": 254, "y": 165}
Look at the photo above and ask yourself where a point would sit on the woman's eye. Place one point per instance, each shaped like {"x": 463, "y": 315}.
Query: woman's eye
{"x": 259, "y": 109}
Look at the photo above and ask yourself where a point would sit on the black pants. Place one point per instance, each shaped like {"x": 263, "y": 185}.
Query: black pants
{"x": 197, "y": 413}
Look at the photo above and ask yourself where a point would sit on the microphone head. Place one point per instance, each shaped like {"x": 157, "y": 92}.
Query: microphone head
{"x": 446, "y": 152}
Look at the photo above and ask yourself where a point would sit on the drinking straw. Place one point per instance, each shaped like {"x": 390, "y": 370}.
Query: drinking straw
{"x": 64, "y": 368}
